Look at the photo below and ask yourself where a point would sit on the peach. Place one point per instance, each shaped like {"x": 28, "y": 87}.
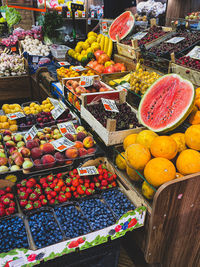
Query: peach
{"x": 69, "y": 136}
{"x": 37, "y": 164}
{"x": 59, "y": 157}
{"x": 78, "y": 144}
{"x": 3, "y": 161}
{"x": 48, "y": 161}
{"x": 25, "y": 152}
{"x": 15, "y": 155}
{"x": 31, "y": 144}
{"x": 19, "y": 161}
{"x": 82, "y": 152}
{"x": 91, "y": 150}
{"x": 71, "y": 153}
{"x": 47, "y": 148}
{"x": 36, "y": 153}
{"x": 88, "y": 142}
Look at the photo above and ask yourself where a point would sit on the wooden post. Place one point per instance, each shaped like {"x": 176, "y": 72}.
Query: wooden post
{"x": 122, "y": 97}
{"x": 134, "y": 44}
{"x": 111, "y": 125}
{"x": 117, "y": 38}
{"x": 172, "y": 55}
{"x": 152, "y": 22}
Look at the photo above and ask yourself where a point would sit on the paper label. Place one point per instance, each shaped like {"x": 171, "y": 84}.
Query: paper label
{"x": 63, "y": 63}
{"x": 194, "y": 53}
{"x": 62, "y": 104}
{"x": 31, "y": 133}
{"x": 86, "y": 81}
{"x": 13, "y": 49}
{"x": 109, "y": 105}
{"x": 76, "y": 14}
{"x": 139, "y": 35}
{"x": 175, "y": 40}
{"x": 54, "y": 102}
{"x": 104, "y": 26}
{"x": 57, "y": 111}
{"x": 17, "y": 263}
{"x": 15, "y": 116}
{"x": 92, "y": 14}
{"x": 68, "y": 14}
{"x": 67, "y": 127}
{"x": 62, "y": 144}
{"x": 78, "y": 68}
{"x": 35, "y": 59}
{"x": 84, "y": 171}
{"x": 83, "y": 14}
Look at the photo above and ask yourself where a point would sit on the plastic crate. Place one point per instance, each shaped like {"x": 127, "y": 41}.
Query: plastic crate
{"x": 59, "y": 51}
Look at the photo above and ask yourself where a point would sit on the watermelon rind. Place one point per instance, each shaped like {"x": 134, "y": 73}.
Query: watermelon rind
{"x": 132, "y": 22}
{"x": 186, "y": 111}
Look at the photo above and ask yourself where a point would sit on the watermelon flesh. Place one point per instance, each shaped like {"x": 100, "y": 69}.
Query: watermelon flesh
{"x": 122, "y": 26}
{"x": 166, "y": 103}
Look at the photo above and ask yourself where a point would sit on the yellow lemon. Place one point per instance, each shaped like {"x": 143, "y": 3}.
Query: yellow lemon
{"x": 120, "y": 161}
{"x": 92, "y": 39}
{"x": 92, "y": 34}
{"x": 85, "y": 46}
{"x": 78, "y": 49}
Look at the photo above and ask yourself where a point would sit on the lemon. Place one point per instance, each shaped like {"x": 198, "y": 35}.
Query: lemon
{"x": 95, "y": 46}
{"x": 79, "y": 58}
{"x": 91, "y": 34}
{"x": 89, "y": 50}
{"x": 85, "y": 46}
{"x": 92, "y": 39}
{"x": 71, "y": 52}
{"x": 80, "y": 43}
{"x": 147, "y": 191}
{"x": 83, "y": 53}
{"x": 108, "y": 63}
{"x": 120, "y": 161}
{"x": 78, "y": 48}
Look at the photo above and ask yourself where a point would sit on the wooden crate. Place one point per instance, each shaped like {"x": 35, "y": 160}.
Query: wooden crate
{"x": 109, "y": 135}
{"x": 185, "y": 72}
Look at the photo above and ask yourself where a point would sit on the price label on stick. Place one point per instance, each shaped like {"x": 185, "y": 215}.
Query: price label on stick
{"x": 57, "y": 112}
{"x": 86, "y": 81}
{"x": 84, "y": 171}
{"x": 83, "y": 14}
{"x": 76, "y": 14}
{"x": 54, "y": 102}
{"x": 92, "y": 14}
{"x": 62, "y": 104}
{"x": 175, "y": 40}
{"x": 15, "y": 116}
{"x": 124, "y": 87}
{"x": 104, "y": 26}
{"x": 194, "y": 53}
{"x": 68, "y": 14}
{"x": 139, "y": 35}
{"x": 67, "y": 127}
{"x": 62, "y": 144}
{"x": 31, "y": 133}
{"x": 109, "y": 105}
{"x": 78, "y": 68}
{"x": 64, "y": 63}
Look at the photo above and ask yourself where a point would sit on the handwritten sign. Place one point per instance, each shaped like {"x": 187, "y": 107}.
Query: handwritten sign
{"x": 31, "y": 134}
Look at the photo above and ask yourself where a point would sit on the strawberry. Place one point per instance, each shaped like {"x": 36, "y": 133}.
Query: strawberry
{"x": 12, "y": 204}
{"x": 45, "y": 185}
{"x": 68, "y": 195}
{"x": 22, "y": 189}
{"x": 114, "y": 184}
{"x": 2, "y": 192}
{"x": 50, "y": 178}
{"x": 23, "y": 182}
{"x": 81, "y": 240}
{"x": 81, "y": 190}
{"x": 75, "y": 171}
{"x": 37, "y": 204}
{"x": 47, "y": 190}
{"x": 23, "y": 202}
{"x": 75, "y": 182}
{"x": 38, "y": 186}
{"x": 33, "y": 196}
{"x": 53, "y": 193}
{"x": 49, "y": 197}
{"x": 29, "y": 190}
{"x": 38, "y": 191}
{"x": 57, "y": 188}
{"x": 59, "y": 175}
{"x": 100, "y": 177}
{"x": 81, "y": 181}
{"x": 10, "y": 195}
{"x": 41, "y": 197}
{"x": 29, "y": 184}
{"x": 29, "y": 207}
{"x": 88, "y": 191}
{"x": 63, "y": 188}
{"x": 62, "y": 198}
{"x": 2, "y": 212}
{"x": 104, "y": 183}
{"x": 87, "y": 185}
{"x": 6, "y": 201}
{"x": 44, "y": 202}
{"x": 8, "y": 189}
{"x": 11, "y": 210}
{"x": 2, "y": 205}
{"x": 68, "y": 181}
{"x": 33, "y": 181}
{"x": 52, "y": 201}
{"x": 43, "y": 180}
{"x": 52, "y": 185}
{"x": 92, "y": 185}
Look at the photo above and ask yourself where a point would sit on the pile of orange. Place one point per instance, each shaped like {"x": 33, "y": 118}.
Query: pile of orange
{"x": 6, "y": 124}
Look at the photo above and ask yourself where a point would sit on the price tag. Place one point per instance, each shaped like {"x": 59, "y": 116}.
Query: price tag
{"x": 31, "y": 133}
{"x": 62, "y": 104}
{"x": 109, "y": 105}
{"x": 63, "y": 63}
{"x": 57, "y": 112}
{"x": 15, "y": 116}
{"x": 67, "y": 127}
{"x": 139, "y": 35}
{"x": 68, "y": 14}
{"x": 104, "y": 26}
{"x": 84, "y": 171}
{"x": 86, "y": 81}
{"x": 54, "y": 102}
{"x": 78, "y": 68}
{"x": 76, "y": 14}
{"x": 92, "y": 14}
{"x": 89, "y": 21}
{"x": 83, "y": 14}
{"x": 13, "y": 49}
{"x": 123, "y": 87}
{"x": 35, "y": 59}
{"x": 62, "y": 144}
{"x": 175, "y": 40}
{"x": 194, "y": 53}
{"x": 17, "y": 263}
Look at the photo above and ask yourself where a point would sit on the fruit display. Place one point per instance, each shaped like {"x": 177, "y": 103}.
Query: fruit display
{"x": 7, "y": 202}
{"x": 122, "y": 26}
{"x": 44, "y": 228}
{"x": 120, "y": 81}
{"x": 69, "y": 73}
{"x": 34, "y": 47}
{"x": 6, "y": 124}
{"x": 11, "y": 65}
{"x": 98, "y": 214}
{"x": 172, "y": 110}
{"x": 189, "y": 62}
{"x": 35, "y": 107}
{"x": 84, "y": 51}
{"x": 165, "y": 48}
{"x": 11, "y": 108}
{"x": 72, "y": 220}
{"x": 141, "y": 80}
{"x": 140, "y": 18}
{"x": 13, "y": 234}
{"x": 193, "y": 16}
{"x": 125, "y": 118}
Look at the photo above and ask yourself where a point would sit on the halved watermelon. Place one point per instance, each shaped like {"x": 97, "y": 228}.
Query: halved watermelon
{"x": 122, "y": 26}
{"x": 167, "y": 103}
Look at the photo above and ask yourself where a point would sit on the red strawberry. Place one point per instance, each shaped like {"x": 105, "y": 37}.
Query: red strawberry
{"x": 41, "y": 197}
{"x": 43, "y": 180}
{"x": 11, "y": 210}
{"x": 22, "y": 189}
{"x": 75, "y": 171}
{"x": 68, "y": 195}
{"x": 2, "y": 212}
{"x": 45, "y": 185}
{"x": 33, "y": 181}
{"x": 52, "y": 185}
{"x": 52, "y": 201}
{"x": 47, "y": 190}
{"x": 2, "y": 192}
{"x": 37, "y": 204}
{"x": 10, "y": 195}
{"x": 104, "y": 183}
{"x": 29, "y": 190}
{"x": 81, "y": 181}
{"x": 6, "y": 201}
{"x": 62, "y": 198}
{"x": 12, "y": 204}
{"x": 49, "y": 197}
{"x": 92, "y": 185}
{"x": 87, "y": 185}
{"x": 23, "y": 202}
{"x": 53, "y": 194}
{"x": 29, "y": 207}
{"x": 68, "y": 181}
{"x": 81, "y": 240}
{"x": 63, "y": 188}
{"x": 44, "y": 202}
{"x": 73, "y": 244}
{"x": 8, "y": 189}
{"x": 50, "y": 178}
{"x": 38, "y": 191}
{"x": 2, "y": 205}
{"x": 59, "y": 175}
{"x": 88, "y": 192}
{"x": 29, "y": 184}
{"x": 33, "y": 196}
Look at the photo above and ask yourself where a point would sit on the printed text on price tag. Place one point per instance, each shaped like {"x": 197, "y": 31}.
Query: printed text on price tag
{"x": 63, "y": 63}
{"x": 78, "y": 68}
{"x": 54, "y": 102}
{"x": 109, "y": 105}
{"x": 86, "y": 81}
{"x": 67, "y": 127}
{"x": 194, "y": 53}
{"x": 104, "y": 26}
{"x": 30, "y": 134}
{"x": 62, "y": 144}
{"x": 57, "y": 112}
{"x": 91, "y": 170}
{"x": 139, "y": 35}
{"x": 175, "y": 40}
{"x": 15, "y": 116}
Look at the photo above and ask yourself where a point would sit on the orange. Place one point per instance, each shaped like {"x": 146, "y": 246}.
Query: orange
{"x": 197, "y": 102}
{"x": 137, "y": 156}
{"x": 12, "y": 122}
{"x": 159, "y": 171}
{"x": 145, "y": 138}
{"x": 120, "y": 161}
{"x": 179, "y": 175}
{"x": 188, "y": 162}
{"x": 132, "y": 174}
{"x": 5, "y": 125}
{"x": 192, "y": 137}
{"x": 194, "y": 117}
{"x": 179, "y": 138}
{"x": 13, "y": 128}
{"x": 198, "y": 91}
{"x": 147, "y": 191}
{"x": 3, "y": 118}
{"x": 129, "y": 140}
{"x": 164, "y": 147}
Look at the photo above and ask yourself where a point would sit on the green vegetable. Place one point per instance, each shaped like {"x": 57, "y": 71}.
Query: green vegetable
{"x": 52, "y": 21}
{"x": 12, "y": 15}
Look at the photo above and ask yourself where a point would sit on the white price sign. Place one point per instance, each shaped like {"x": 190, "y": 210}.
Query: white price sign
{"x": 109, "y": 105}
{"x": 35, "y": 59}
{"x": 124, "y": 86}
{"x": 67, "y": 127}
{"x": 57, "y": 111}
{"x": 83, "y": 14}
{"x": 54, "y": 102}
{"x": 92, "y": 14}
{"x": 62, "y": 144}
{"x": 15, "y": 116}
{"x": 175, "y": 40}
{"x": 84, "y": 171}
{"x": 62, "y": 104}
{"x": 64, "y": 63}
{"x": 68, "y": 14}
{"x": 76, "y": 14}
{"x": 194, "y": 53}
{"x": 86, "y": 81}
{"x": 139, "y": 35}
{"x": 104, "y": 26}
{"x": 78, "y": 68}
{"x": 31, "y": 133}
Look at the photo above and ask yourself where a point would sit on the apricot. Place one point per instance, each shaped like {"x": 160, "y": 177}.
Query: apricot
{"x": 71, "y": 153}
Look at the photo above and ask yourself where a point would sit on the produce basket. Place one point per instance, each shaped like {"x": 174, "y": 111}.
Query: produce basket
{"x": 59, "y": 51}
